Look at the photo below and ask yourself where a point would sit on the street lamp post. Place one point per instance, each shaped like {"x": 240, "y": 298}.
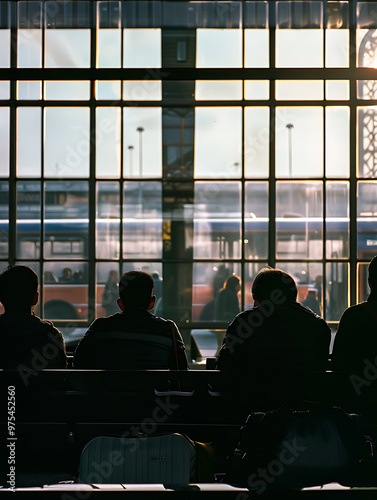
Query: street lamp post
{"x": 130, "y": 149}
{"x": 140, "y": 130}
{"x": 290, "y": 127}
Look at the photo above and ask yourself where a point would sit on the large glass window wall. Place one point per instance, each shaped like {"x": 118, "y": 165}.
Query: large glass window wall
{"x": 193, "y": 140}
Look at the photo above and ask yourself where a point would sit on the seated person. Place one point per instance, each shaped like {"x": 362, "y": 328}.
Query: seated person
{"x": 26, "y": 340}
{"x": 133, "y": 338}
{"x": 226, "y": 303}
{"x": 278, "y": 334}
{"x": 356, "y": 339}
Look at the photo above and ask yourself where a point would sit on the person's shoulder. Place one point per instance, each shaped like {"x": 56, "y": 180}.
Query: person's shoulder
{"x": 106, "y": 323}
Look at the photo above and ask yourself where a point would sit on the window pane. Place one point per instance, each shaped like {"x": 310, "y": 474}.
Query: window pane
{"x": 4, "y": 90}
{"x": 217, "y": 224}
{"x": 257, "y": 48}
{"x": 66, "y": 148}
{"x": 337, "y": 48}
{"x": 257, "y": 141}
{"x": 366, "y": 43}
{"x": 108, "y": 142}
{"x": 367, "y": 220}
{"x": 142, "y": 48}
{"x": 29, "y": 90}
{"x": 65, "y": 291}
{"x": 4, "y": 219}
{"x": 29, "y": 48}
{"x": 142, "y": 131}
{"x": 67, "y": 91}
{"x": 366, "y": 133}
{"x": 257, "y": 89}
{"x": 67, "y": 48}
{"x": 142, "y": 90}
{"x": 29, "y": 131}
{"x": 297, "y": 90}
{"x": 28, "y": 235}
{"x": 299, "y": 223}
{"x": 308, "y": 277}
{"x": 337, "y": 90}
{"x": 107, "y": 289}
{"x": 299, "y": 142}
{"x": 336, "y": 290}
{"x": 363, "y": 289}
{"x": 208, "y": 280}
{"x": 66, "y": 220}
{"x": 213, "y": 90}
{"x": 108, "y": 220}
{"x": 299, "y": 48}
{"x": 219, "y": 48}
{"x": 108, "y": 90}
{"x": 109, "y": 42}
{"x": 142, "y": 222}
{"x": 256, "y": 220}
{"x": 367, "y": 89}
{"x": 5, "y": 48}
{"x": 218, "y": 142}
{"x": 337, "y": 220}
{"x": 4, "y": 142}
{"x": 337, "y": 141}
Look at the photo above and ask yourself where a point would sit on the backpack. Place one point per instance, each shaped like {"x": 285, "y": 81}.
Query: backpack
{"x": 298, "y": 445}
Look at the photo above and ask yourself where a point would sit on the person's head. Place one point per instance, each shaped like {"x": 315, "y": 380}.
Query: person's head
{"x": 135, "y": 290}
{"x": 372, "y": 273}
{"x": 19, "y": 288}
{"x": 67, "y": 272}
{"x": 269, "y": 281}
{"x": 233, "y": 283}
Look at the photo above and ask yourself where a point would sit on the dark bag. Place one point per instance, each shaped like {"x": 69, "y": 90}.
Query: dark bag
{"x": 300, "y": 444}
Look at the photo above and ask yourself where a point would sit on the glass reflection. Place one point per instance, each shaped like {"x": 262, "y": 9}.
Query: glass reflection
{"x": 207, "y": 281}
{"x": 299, "y": 224}
{"x": 337, "y": 220}
{"x": 4, "y": 219}
{"x": 67, "y": 48}
{"x": 366, "y": 220}
{"x": 256, "y": 220}
{"x": 217, "y": 222}
{"x": 65, "y": 290}
{"x": 142, "y": 220}
{"x": 108, "y": 220}
{"x": 28, "y": 237}
{"x": 4, "y": 142}
{"x": 336, "y": 290}
{"x": 66, "y": 220}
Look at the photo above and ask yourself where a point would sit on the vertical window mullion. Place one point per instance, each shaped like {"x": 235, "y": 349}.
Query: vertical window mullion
{"x": 272, "y": 174}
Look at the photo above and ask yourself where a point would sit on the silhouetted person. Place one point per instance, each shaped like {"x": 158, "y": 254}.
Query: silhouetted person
{"x": 111, "y": 294}
{"x": 226, "y": 303}
{"x": 312, "y": 302}
{"x": 133, "y": 338}
{"x": 278, "y": 334}
{"x": 218, "y": 282}
{"x": 355, "y": 345}
{"x": 26, "y": 340}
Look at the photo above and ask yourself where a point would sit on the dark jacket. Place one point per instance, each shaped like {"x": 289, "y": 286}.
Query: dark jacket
{"x": 356, "y": 339}
{"x": 29, "y": 341}
{"x": 286, "y": 337}
{"x": 131, "y": 340}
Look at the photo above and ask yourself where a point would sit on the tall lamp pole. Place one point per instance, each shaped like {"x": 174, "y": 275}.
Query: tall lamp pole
{"x": 290, "y": 127}
{"x": 130, "y": 149}
{"x": 140, "y": 130}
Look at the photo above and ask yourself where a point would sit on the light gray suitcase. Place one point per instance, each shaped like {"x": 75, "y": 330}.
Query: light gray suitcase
{"x": 166, "y": 459}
